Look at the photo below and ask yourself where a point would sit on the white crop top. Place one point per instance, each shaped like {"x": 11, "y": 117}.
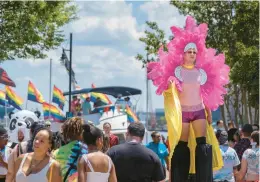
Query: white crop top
{"x": 38, "y": 177}
{"x": 97, "y": 176}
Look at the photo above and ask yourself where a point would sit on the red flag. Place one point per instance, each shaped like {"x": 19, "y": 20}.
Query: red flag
{"x": 106, "y": 109}
{"x": 4, "y": 78}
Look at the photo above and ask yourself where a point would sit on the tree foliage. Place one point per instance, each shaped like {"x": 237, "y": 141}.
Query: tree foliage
{"x": 154, "y": 39}
{"x": 234, "y": 30}
{"x": 30, "y": 28}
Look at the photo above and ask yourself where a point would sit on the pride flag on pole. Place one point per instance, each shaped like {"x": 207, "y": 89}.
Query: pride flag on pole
{"x": 3, "y": 100}
{"x": 13, "y": 99}
{"x": 58, "y": 97}
{"x": 34, "y": 94}
{"x": 104, "y": 98}
{"x": 131, "y": 117}
{"x": 5, "y": 79}
{"x": 52, "y": 112}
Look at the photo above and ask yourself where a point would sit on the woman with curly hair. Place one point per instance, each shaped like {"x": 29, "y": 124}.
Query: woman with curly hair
{"x": 69, "y": 154}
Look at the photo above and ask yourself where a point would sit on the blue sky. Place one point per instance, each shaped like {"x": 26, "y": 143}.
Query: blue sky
{"x": 105, "y": 42}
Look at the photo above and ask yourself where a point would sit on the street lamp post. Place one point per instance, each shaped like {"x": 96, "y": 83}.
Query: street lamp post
{"x": 68, "y": 65}
{"x": 70, "y": 72}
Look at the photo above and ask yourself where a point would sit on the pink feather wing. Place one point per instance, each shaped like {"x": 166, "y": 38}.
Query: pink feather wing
{"x": 217, "y": 77}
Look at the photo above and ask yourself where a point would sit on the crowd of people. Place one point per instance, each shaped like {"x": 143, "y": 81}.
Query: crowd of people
{"x": 239, "y": 149}
{"x": 240, "y": 152}
{"x": 82, "y": 152}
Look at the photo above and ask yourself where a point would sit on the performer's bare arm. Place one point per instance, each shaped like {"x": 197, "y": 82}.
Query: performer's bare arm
{"x": 209, "y": 115}
{"x": 235, "y": 171}
{"x": 167, "y": 162}
{"x": 241, "y": 174}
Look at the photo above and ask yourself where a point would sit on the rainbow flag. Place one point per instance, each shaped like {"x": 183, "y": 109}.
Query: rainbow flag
{"x": 58, "y": 97}
{"x": 52, "y": 112}
{"x": 131, "y": 117}
{"x": 13, "y": 99}
{"x": 3, "y": 100}
{"x": 34, "y": 94}
{"x": 103, "y": 97}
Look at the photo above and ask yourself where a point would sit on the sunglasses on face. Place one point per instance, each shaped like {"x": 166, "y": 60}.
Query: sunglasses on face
{"x": 192, "y": 52}
{"x": 4, "y": 137}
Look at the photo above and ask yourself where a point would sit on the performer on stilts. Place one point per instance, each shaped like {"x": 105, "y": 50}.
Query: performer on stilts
{"x": 192, "y": 79}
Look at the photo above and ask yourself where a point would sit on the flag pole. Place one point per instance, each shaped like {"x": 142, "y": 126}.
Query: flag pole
{"x": 27, "y": 96}
{"x": 50, "y": 88}
{"x": 6, "y": 114}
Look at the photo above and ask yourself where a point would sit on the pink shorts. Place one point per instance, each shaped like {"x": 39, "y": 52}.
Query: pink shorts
{"x": 189, "y": 116}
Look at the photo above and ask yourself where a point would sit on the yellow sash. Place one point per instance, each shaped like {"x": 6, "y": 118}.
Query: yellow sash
{"x": 173, "y": 115}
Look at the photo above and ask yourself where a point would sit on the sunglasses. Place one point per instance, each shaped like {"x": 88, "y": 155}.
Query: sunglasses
{"x": 4, "y": 137}
{"x": 192, "y": 52}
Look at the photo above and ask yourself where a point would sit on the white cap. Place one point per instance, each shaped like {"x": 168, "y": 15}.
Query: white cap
{"x": 190, "y": 45}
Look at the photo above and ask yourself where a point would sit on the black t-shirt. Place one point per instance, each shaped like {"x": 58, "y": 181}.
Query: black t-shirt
{"x": 135, "y": 163}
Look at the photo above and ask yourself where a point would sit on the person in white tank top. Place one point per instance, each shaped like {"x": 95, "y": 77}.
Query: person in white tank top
{"x": 5, "y": 152}
{"x": 249, "y": 171}
{"x": 38, "y": 166}
{"x": 95, "y": 166}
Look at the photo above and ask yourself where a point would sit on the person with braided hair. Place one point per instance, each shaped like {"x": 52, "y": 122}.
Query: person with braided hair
{"x": 69, "y": 154}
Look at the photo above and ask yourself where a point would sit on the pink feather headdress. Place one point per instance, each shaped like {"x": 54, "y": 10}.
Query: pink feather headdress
{"x": 162, "y": 72}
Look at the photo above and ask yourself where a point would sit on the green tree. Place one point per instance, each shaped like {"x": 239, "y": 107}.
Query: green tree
{"x": 234, "y": 30}
{"x": 154, "y": 39}
{"x": 30, "y": 28}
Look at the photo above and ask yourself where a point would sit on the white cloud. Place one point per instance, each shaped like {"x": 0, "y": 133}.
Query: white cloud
{"x": 105, "y": 9}
{"x": 104, "y": 63}
{"x": 110, "y": 23}
{"x": 164, "y": 14}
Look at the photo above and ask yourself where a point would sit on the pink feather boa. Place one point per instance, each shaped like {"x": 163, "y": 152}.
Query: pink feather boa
{"x": 162, "y": 72}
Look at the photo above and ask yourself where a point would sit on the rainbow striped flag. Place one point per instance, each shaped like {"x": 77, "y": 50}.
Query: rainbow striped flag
{"x": 58, "y": 97}
{"x": 103, "y": 97}
{"x": 131, "y": 117}
{"x": 13, "y": 99}
{"x": 34, "y": 94}
{"x": 3, "y": 100}
{"x": 52, "y": 112}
